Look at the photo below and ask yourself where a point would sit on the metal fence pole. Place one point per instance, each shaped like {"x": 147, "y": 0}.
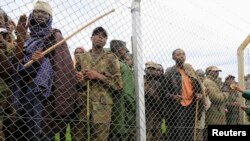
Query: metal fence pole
{"x": 137, "y": 53}
{"x": 240, "y": 55}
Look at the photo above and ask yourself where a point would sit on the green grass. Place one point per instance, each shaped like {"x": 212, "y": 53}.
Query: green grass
{"x": 68, "y": 130}
{"x": 163, "y": 126}
{"x": 68, "y": 135}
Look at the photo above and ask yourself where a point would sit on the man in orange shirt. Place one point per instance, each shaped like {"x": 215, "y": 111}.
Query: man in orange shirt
{"x": 183, "y": 89}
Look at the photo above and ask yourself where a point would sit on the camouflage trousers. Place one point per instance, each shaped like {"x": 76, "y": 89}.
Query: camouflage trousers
{"x": 99, "y": 123}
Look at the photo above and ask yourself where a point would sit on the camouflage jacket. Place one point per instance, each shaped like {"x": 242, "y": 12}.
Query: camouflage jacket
{"x": 216, "y": 113}
{"x": 107, "y": 64}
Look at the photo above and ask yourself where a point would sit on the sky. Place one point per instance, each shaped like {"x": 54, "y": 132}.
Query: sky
{"x": 209, "y": 31}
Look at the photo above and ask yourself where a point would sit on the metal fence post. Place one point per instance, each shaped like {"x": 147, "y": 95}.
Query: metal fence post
{"x": 137, "y": 53}
{"x": 240, "y": 55}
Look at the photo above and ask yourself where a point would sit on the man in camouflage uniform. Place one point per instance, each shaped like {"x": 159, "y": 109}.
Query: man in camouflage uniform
{"x": 232, "y": 104}
{"x": 216, "y": 113}
{"x": 153, "y": 87}
{"x": 124, "y": 109}
{"x": 100, "y": 73}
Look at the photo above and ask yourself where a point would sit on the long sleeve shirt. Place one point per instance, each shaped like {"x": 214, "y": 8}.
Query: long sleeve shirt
{"x": 246, "y": 95}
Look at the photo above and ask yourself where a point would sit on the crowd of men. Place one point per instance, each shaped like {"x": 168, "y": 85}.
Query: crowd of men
{"x": 95, "y": 93}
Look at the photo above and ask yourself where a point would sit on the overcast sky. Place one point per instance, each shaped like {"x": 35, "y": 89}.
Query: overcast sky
{"x": 210, "y": 31}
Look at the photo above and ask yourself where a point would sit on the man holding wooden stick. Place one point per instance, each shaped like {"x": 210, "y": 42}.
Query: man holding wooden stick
{"x": 43, "y": 84}
{"x": 102, "y": 71}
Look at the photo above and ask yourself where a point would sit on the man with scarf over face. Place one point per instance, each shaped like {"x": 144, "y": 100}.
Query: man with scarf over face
{"x": 49, "y": 80}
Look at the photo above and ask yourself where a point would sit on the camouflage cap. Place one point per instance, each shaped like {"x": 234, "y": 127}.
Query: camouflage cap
{"x": 212, "y": 68}
{"x": 151, "y": 64}
{"x": 100, "y": 30}
{"x": 116, "y": 44}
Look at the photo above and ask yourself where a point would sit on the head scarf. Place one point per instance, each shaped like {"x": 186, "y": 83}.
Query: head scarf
{"x": 43, "y": 74}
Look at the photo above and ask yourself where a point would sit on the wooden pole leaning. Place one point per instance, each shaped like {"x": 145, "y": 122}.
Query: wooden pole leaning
{"x": 196, "y": 120}
{"x": 68, "y": 37}
{"x": 88, "y": 113}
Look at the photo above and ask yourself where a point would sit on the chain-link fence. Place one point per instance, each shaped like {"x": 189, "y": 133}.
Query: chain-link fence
{"x": 139, "y": 73}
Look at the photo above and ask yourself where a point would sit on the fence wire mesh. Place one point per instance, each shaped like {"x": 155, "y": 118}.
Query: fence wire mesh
{"x": 88, "y": 87}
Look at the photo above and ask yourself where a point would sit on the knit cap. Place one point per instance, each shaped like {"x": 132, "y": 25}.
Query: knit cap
{"x": 44, "y": 6}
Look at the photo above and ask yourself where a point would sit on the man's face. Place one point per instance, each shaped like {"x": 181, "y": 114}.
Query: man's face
{"x": 151, "y": 71}
{"x": 159, "y": 70}
{"x": 129, "y": 60}
{"x": 229, "y": 81}
{"x": 215, "y": 74}
{"x": 99, "y": 40}
{"x": 78, "y": 51}
{"x": 122, "y": 51}
{"x": 201, "y": 76}
{"x": 40, "y": 16}
{"x": 179, "y": 56}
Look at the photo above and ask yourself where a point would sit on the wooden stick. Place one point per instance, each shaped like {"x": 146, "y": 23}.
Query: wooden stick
{"x": 68, "y": 37}
{"x": 196, "y": 120}
{"x": 88, "y": 112}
